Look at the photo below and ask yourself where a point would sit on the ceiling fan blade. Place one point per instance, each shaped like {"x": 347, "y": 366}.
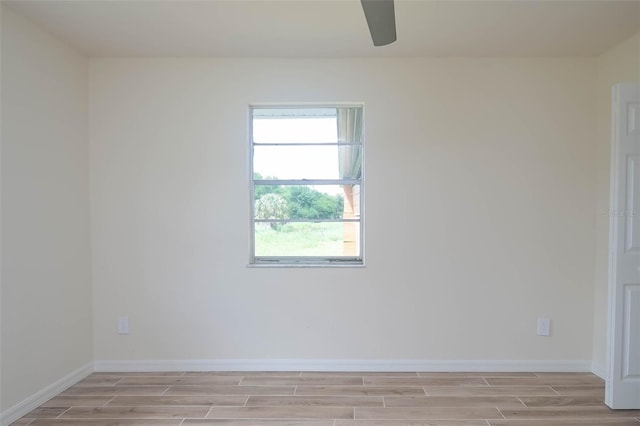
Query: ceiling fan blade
{"x": 381, "y": 19}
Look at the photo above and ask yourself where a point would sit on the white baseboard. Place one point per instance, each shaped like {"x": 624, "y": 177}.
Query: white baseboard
{"x": 12, "y": 414}
{"x": 340, "y": 365}
{"x": 599, "y": 370}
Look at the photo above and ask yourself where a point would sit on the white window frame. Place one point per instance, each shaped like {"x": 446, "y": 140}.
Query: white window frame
{"x": 305, "y": 261}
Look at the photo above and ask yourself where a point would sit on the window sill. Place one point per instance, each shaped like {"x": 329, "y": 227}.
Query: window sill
{"x": 305, "y": 265}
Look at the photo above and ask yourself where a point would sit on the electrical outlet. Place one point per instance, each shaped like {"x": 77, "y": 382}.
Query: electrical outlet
{"x": 544, "y": 327}
{"x": 123, "y": 325}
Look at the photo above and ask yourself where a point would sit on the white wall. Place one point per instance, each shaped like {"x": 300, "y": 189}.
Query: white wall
{"x": 619, "y": 64}
{"x": 482, "y": 176}
{"x": 480, "y": 193}
{"x": 46, "y": 291}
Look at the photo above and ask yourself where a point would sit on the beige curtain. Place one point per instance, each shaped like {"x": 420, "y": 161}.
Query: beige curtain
{"x": 350, "y": 131}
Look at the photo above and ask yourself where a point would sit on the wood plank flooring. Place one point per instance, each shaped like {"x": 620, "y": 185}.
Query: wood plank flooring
{"x": 332, "y": 399}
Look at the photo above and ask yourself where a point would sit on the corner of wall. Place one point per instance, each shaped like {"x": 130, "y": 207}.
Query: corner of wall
{"x": 45, "y": 215}
{"x": 13, "y": 413}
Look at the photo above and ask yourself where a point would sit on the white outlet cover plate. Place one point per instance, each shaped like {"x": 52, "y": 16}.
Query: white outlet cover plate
{"x": 544, "y": 327}
{"x": 123, "y": 325}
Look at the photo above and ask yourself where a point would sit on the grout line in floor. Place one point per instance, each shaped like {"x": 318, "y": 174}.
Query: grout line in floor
{"x": 109, "y": 401}
{"x": 59, "y": 415}
{"x": 206, "y": 416}
{"x": 521, "y": 401}
{"x": 553, "y": 389}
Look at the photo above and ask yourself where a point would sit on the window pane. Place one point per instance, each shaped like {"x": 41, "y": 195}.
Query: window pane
{"x": 328, "y": 239}
{"x": 307, "y": 202}
{"x": 305, "y": 162}
{"x": 294, "y": 127}
{"x": 296, "y": 112}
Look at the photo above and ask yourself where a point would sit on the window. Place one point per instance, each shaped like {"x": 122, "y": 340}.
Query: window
{"x": 306, "y": 185}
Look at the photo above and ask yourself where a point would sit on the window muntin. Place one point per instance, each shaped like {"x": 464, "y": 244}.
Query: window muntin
{"x": 306, "y": 185}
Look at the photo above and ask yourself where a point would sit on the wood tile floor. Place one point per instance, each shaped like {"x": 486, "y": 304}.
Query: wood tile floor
{"x": 333, "y": 399}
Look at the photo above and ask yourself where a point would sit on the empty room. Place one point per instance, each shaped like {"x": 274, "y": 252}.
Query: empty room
{"x": 320, "y": 212}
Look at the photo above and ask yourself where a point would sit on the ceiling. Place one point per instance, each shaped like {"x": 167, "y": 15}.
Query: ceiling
{"x": 328, "y": 28}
